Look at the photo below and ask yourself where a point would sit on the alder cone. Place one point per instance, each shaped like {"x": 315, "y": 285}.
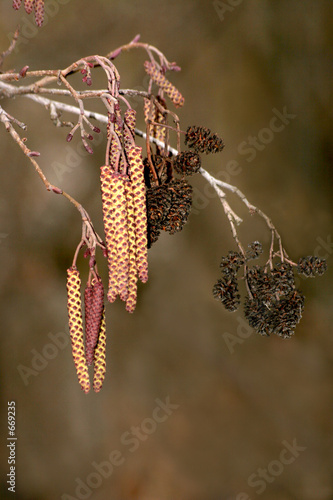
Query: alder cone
{"x": 203, "y": 140}
{"x": 180, "y": 209}
{"x": 187, "y": 163}
{"x": 76, "y": 327}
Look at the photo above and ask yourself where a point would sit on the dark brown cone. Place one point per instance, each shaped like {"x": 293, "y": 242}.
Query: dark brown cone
{"x": 180, "y": 208}
{"x": 201, "y": 139}
{"x": 187, "y": 163}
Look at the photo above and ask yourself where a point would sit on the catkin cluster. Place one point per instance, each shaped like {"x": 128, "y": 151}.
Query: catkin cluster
{"x": 124, "y": 212}
{"x": 91, "y": 349}
{"x": 30, "y": 5}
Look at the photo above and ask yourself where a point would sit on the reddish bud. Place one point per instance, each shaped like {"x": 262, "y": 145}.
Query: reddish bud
{"x": 23, "y": 71}
{"x": 69, "y": 137}
{"x": 90, "y": 137}
{"x": 97, "y": 130}
{"x": 136, "y": 38}
{"x": 174, "y": 67}
{"x": 83, "y": 71}
{"x": 89, "y": 81}
{"x": 88, "y": 148}
{"x": 56, "y": 190}
{"x": 86, "y": 253}
{"x": 115, "y": 53}
{"x": 33, "y": 153}
{"x": 92, "y": 261}
{"x": 90, "y": 65}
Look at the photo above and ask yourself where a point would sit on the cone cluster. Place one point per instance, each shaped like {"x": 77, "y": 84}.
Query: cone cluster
{"x": 273, "y": 304}
{"x": 30, "y": 5}
{"x": 90, "y": 350}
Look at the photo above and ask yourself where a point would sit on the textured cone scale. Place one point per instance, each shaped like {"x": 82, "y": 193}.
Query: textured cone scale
{"x": 76, "y": 327}
{"x": 109, "y": 230}
{"x": 159, "y": 78}
{"x": 99, "y": 357}
{"x": 132, "y": 269}
{"x": 140, "y": 210}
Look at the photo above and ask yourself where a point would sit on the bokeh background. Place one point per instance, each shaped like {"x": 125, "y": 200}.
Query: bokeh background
{"x": 236, "y": 403}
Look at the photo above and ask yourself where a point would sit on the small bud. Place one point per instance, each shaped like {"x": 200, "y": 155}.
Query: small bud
{"x": 23, "y": 71}
{"x": 86, "y": 253}
{"x": 56, "y": 190}
{"x": 136, "y": 38}
{"x": 115, "y": 53}
{"x": 69, "y": 137}
{"x": 97, "y": 130}
{"x": 90, "y": 137}
{"x": 33, "y": 153}
{"x": 88, "y": 148}
{"x": 89, "y": 81}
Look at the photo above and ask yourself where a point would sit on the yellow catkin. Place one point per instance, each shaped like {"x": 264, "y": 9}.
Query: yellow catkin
{"x": 132, "y": 269}
{"x": 136, "y": 169}
{"x": 29, "y": 5}
{"x": 39, "y": 12}
{"x": 159, "y": 78}
{"x": 121, "y": 233}
{"x": 76, "y": 327}
{"x": 99, "y": 357}
{"x": 106, "y": 178}
{"x": 156, "y": 116}
{"x": 129, "y": 127}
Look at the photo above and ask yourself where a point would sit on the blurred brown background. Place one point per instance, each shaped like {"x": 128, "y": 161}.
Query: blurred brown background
{"x": 236, "y": 406}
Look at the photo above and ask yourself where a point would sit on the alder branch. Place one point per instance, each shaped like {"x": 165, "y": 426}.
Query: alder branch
{"x": 218, "y": 185}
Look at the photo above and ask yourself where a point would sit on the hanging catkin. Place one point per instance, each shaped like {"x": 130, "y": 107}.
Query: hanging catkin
{"x": 139, "y": 197}
{"x": 99, "y": 357}
{"x": 76, "y": 327}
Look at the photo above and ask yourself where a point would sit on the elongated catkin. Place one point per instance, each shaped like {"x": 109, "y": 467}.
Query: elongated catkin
{"x": 76, "y": 327}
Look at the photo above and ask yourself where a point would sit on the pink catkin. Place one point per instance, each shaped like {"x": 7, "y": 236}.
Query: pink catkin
{"x": 17, "y": 4}
{"x": 29, "y": 5}
{"x": 39, "y": 12}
